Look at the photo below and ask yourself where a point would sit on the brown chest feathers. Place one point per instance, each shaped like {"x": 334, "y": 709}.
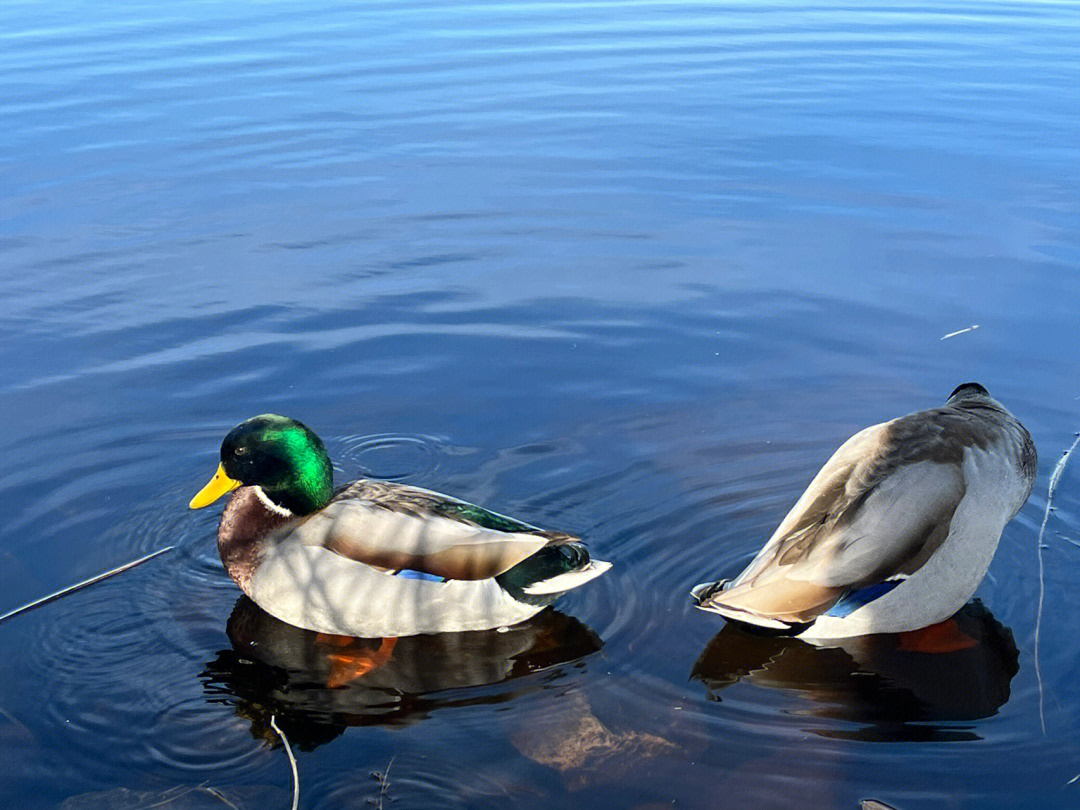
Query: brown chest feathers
{"x": 245, "y": 523}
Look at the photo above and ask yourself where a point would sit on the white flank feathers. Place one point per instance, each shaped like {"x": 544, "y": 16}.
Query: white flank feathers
{"x": 314, "y": 588}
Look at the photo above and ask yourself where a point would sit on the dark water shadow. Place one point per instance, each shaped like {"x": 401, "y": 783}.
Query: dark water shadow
{"x": 318, "y": 685}
{"x": 896, "y": 687}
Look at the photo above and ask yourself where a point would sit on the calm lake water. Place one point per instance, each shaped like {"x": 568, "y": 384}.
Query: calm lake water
{"x": 626, "y": 269}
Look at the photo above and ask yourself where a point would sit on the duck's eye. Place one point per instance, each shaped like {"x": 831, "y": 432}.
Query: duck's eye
{"x": 241, "y": 451}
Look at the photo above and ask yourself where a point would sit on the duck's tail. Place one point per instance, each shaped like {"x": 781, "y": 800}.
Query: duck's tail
{"x": 553, "y": 570}
{"x": 700, "y": 593}
{"x": 703, "y": 598}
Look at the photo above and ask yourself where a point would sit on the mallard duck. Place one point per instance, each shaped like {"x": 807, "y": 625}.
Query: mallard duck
{"x": 895, "y": 532}
{"x": 374, "y": 558}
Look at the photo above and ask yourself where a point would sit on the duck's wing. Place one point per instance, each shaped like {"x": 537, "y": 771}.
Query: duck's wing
{"x": 394, "y": 526}
{"x": 877, "y": 510}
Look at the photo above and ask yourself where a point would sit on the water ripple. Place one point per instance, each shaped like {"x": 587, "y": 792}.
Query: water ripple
{"x": 411, "y": 459}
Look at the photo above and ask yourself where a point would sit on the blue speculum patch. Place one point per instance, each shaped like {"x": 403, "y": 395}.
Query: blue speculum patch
{"x": 409, "y": 573}
{"x": 852, "y": 601}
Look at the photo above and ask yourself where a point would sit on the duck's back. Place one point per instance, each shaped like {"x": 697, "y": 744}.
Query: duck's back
{"x": 891, "y": 500}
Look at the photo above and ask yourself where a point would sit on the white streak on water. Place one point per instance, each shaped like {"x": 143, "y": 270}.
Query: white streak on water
{"x": 971, "y": 328}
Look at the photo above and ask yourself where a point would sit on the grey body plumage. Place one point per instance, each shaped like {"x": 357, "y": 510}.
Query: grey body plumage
{"x": 913, "y": 507}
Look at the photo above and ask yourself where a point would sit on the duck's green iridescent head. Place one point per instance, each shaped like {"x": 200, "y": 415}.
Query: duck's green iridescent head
{"x": 281, "y": 456}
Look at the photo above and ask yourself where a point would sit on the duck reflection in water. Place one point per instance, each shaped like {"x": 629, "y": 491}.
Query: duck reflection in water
{"x": 901, "y": 686}
{"x": 317, "y": 685}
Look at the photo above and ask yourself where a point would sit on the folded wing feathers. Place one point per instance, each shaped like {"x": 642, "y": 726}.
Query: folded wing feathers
{"x": 393, "y": 526}
{"x": 878, "y": 508}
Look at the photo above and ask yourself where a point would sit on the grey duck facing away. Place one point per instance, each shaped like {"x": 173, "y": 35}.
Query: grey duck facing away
{"x": 895, "y": 532}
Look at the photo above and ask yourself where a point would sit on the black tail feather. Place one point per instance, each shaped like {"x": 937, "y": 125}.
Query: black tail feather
{"x": 550, "y": 561}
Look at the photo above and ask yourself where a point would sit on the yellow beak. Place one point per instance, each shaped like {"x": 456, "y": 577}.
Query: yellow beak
{"x": 218, "y": 486}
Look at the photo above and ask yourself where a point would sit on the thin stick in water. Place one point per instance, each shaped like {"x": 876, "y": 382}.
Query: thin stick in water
{"x": 384, "y": 784}
{"x": 292, "y": 763}
{"x": 1055, "y": 477}
{"x": 177, "y": 792}
{"x": 218, "y": 795}
{"x": 84, "y": 584}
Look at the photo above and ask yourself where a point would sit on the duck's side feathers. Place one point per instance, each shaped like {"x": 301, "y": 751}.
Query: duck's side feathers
{"x": 386, "y": 538}
{"x": 890, "y": 530}
{"x": 948, "y": 579}
{"x": 837, "y": 484}
{"x": 871, "y": 466}
{"x": 314, "y": 588}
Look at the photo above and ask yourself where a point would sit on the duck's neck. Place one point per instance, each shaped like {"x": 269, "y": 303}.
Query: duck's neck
{"x": 247, "y": 520}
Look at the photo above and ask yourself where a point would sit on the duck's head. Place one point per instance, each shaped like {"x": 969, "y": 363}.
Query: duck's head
{"x": 281, "y": 456}
{"x": 968, "y": 390}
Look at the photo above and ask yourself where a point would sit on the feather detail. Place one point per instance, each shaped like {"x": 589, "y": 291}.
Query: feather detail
{"x": 384, "y": 538}
{"x": 568, "y": 581}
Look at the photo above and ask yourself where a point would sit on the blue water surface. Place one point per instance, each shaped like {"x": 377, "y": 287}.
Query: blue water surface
{"x": 625, "y": 269}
